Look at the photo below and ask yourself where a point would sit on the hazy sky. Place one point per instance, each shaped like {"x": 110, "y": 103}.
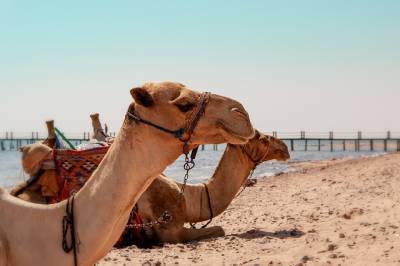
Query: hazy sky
{"x": 295, "y": 65}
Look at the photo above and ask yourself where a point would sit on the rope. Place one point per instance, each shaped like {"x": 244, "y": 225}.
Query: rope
{"x": 193, "y": 225}
{"x": 68, "y": 226}
{"x": 176, "y": 133}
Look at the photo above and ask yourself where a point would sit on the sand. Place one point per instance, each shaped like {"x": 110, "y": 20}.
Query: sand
{"x": 339, "y": 212}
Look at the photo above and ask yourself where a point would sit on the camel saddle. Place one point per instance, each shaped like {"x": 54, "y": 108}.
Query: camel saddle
{"x": 74, "y": 168}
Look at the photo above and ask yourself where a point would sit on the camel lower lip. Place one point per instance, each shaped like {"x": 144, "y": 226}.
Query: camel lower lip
{"x": 233, "y": 134}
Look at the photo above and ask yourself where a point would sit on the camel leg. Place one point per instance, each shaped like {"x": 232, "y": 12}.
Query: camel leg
{"x": 191, "y": 234}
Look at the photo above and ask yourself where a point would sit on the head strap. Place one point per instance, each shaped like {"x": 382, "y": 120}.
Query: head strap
{"x": 191, "y": 121}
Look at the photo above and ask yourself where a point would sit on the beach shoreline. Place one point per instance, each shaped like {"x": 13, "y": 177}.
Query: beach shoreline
{"x": 328, "y": 212}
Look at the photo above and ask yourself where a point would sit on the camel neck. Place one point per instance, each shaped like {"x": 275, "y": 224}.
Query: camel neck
{"x": 104, "y": 203}
{"x": 223, "y": 186}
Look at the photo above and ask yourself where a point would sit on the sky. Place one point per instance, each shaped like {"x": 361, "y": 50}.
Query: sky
{"x": 295, "y": 65}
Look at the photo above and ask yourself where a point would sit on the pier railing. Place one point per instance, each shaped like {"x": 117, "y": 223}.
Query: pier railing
{"x": 296, "y": 141}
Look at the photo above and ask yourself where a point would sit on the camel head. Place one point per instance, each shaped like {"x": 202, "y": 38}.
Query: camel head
{"x": 98, "y": 132}
{"x": 171, "y": 105}
{"x": 264, "y": 148}
{"x": 33, "y": 155}
{"x": 278, "y": 149}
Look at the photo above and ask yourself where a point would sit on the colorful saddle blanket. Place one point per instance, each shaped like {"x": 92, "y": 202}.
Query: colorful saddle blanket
{"x": 74, "y": 168}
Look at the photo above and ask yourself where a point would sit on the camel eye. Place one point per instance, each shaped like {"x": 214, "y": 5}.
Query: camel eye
{"x": 185, "y": 107}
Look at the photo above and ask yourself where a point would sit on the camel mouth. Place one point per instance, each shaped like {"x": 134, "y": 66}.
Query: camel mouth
{"x": 233, "y": 137}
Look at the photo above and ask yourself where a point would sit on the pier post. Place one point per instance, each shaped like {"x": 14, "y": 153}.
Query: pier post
{"x": 398, "y": 145}
{"x": 275, "y": 134}
{"x": 388, "y": 135}
{"x": 385, "y": 145}
{"x": 2, "y": 146}
{"x": 306, "y": 145}
{"x": 344, "y": 145}
{"x": 202, "y": 147}
{"x": 357, "y": 144}
{"x": 6, "y": 134}
{"x": 331, "y": 138}
{"x": 371, "y": 144}
{"x": 292, "y": 145}
{"x": 319, "y": 144}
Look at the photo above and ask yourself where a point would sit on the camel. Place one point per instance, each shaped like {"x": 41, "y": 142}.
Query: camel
{"x": 192, "y": 207}
{"x": 32, "y": 189}
{"x": 165, "y": 194}
{"x": 31, "y": 234}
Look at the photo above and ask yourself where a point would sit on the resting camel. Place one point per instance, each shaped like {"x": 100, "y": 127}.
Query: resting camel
{"x": 165, "y": 194}
{"x": 30, "y": 234}
{"x": 232, "y": 171}
{"x": 32, "y": 189}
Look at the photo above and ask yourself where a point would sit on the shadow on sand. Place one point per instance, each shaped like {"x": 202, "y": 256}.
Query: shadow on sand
{"x": 282, "y": 234}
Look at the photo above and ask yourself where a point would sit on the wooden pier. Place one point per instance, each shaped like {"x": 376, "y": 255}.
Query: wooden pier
{"x": 342, "y": 142}
{"x": 296, "y": 141}
{"x": 10, "y": 141}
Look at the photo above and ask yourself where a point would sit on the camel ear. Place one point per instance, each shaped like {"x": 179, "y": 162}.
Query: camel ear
{"x": 142, "y": 97}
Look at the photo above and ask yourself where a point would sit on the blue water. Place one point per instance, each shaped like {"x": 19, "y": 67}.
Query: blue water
{"x": 206, "y": 162}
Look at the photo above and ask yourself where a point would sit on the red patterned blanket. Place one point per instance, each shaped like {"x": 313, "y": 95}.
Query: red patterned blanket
{"x": 74, "y": 168}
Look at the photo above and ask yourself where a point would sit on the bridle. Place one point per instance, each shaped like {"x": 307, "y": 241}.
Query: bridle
{"x": 184, "y": 134}
{"x": 255, "y": 162}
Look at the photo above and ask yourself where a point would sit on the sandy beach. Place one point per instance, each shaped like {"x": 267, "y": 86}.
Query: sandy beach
{"x": 336, "y": 212}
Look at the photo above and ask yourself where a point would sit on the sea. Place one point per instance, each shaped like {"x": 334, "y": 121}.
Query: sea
{"x": 11, "y": 171}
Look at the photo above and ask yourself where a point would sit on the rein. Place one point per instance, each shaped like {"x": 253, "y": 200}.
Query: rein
{"x": 68, "y": 225}
{"x": 255, "y": 162}
{"x": 188, "y": 129}
{"x": 193, "y": 225}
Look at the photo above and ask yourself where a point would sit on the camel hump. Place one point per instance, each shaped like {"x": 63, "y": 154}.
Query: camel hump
{"x": 33, "y": 156}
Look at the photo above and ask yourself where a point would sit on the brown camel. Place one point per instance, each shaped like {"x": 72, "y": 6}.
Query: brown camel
{"x": 193, "y": 206}
{"x": 30, "y": 234}
{"x": 164, "y": 194}
{"x": 32, "y": 159}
